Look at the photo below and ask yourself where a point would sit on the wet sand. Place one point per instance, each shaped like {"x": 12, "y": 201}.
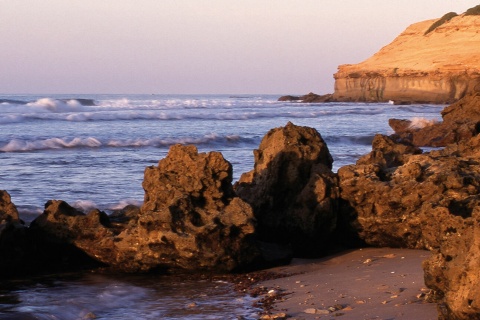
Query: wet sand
{"x": 369, "y": 283}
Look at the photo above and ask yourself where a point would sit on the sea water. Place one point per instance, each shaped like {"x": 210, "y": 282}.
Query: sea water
{"x": 94, "y": 155}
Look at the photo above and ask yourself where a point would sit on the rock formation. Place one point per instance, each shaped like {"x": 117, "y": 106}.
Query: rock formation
{"x": 453, "y": 269}
{"x": 12, "y": 236}
{"x": 292, "y": 189}
{"x": 190, "y": 220}
{"x": 8, "y": 211}
{"x": 439, "y": 66}
{"x": 461, "y": 121}
{"x": 308, "y": 98}
{"x": 399, "y": 197}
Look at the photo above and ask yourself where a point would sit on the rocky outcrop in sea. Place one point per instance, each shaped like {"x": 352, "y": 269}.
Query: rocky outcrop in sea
{"x": 434, "y": 61}
{"x": 291, "y": 203}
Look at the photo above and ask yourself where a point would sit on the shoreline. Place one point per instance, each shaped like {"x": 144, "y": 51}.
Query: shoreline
{"x": 367, "y": 283}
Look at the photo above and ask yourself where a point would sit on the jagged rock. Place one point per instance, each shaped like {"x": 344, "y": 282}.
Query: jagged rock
{"x": 398, "y": 197}
{"x": 190, "y": 220}
{"x": 292, "y": 189}
{"x": 453, "y": 270}
{"x": 461, "y": 121}
{"x": 409, "y": 200}
{"x": 8, "y": 211}
{"x": 13, "y": 240}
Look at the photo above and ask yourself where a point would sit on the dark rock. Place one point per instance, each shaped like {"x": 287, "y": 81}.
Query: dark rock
{"x": 315, "y": 98}
{"x": 309, "y": 98}
{"x": 292, "y": 189}
{"x": 396, "y": 197}
{"x": 190, "y": 220}
{"x": 461, "y": 121}
{"x": 453, "y": 270}
{"x": 202, "y": 223}
{"x": 289, "y": 98}
{"x": 13, "y": 247}
{"x": 8, "y": 211}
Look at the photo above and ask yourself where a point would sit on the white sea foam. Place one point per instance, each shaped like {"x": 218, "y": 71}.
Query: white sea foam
{"x": 418, "y": 123}
{"x": 53, "y": 105}
{"x": 122, "y": 204}
{"x": 17, "y": 145}
{"x": 84, "y": 205}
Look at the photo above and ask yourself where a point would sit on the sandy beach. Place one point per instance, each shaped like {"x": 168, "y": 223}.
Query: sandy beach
{"x": 369, "y": 283}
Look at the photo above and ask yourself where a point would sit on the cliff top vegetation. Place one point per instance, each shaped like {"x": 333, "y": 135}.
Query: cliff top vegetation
{"x": 475, "y": 11}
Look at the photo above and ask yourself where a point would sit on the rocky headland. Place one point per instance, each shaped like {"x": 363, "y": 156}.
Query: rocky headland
{"x": 434, "y": 61}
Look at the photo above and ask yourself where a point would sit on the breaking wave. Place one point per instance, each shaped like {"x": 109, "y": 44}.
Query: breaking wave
{"x": 18, "y": 145}
{"x": 418, "y": 123}
{"x": 165, "y": 115}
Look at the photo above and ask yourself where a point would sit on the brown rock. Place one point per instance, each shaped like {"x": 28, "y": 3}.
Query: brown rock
{"x": 292, "y": 189}
{"x": 8, "y": 211}
{"x": 396, "y": 197}
{"x": 461, "y": 121}
{"x": 190, "y": 220}
{"x": 453, "y": 270}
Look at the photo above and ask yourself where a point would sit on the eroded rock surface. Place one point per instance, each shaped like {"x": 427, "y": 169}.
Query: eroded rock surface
{"x": 292, "y": 189}
{"x": 453, "y": 269}
{"x": 8, "y": 211}
{"x": 461, "y": 121}
{"x": 398, "y": 197}
{"x": 190, "y": 220}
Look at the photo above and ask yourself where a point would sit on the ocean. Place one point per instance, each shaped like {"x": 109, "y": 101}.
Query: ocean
{"x": 93, "y": 155}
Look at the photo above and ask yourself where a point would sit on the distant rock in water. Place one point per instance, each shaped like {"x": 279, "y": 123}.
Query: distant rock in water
{"x": 308, "y": 98}
{"x": 434, "y": 61}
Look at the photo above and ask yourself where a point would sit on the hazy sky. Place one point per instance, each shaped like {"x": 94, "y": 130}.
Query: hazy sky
{"x": 196, "y": 46}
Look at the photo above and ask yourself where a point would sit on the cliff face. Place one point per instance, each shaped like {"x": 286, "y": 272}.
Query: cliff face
{"x": 439, "y": 67}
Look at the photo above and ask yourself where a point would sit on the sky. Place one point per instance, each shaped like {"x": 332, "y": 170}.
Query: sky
{"x": 196, "y": 47}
